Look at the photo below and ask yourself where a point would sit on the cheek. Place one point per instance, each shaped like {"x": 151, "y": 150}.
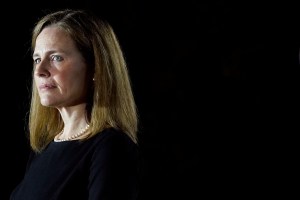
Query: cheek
{"x": 36, "y": 81}
{"x": 78, "y": 77}
{"x": 68, "y": 81}
{"x": 70, "y": 78}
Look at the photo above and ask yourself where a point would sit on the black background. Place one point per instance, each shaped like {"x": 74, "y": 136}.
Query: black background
{"x": 216, "y": 85}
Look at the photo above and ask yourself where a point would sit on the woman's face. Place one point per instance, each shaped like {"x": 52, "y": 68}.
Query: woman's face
{"x": 60, "y": 70}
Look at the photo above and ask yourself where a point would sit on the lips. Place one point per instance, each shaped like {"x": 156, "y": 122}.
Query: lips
{"x": 46, "y": 86}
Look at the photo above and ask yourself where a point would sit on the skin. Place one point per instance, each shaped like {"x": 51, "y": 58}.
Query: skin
{"x": 60, "y": 77}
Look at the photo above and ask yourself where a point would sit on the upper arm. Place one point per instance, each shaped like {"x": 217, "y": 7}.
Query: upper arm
{"x": 114, "y": 170}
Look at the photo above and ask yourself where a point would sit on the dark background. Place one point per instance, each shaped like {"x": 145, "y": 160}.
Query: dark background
{"x": 216, "y": 84}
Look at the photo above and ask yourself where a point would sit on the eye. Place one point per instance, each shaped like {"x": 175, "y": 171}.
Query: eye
{"x": 56, "y": 58}
{"x": 37, "y": 60}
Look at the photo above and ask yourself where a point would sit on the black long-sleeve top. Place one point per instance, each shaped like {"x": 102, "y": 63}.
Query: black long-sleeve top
{"x": 104, "y": 167}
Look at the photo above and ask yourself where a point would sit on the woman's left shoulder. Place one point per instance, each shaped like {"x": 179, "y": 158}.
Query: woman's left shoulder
{"x": 115, "y": 146}
{"x": 111, "y": 137}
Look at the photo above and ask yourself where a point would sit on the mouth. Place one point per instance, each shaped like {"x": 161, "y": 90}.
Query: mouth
{"x": 46, "y": 86}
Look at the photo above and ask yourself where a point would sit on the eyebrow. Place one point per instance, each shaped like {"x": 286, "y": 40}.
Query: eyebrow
{"x": 49, "y": 52}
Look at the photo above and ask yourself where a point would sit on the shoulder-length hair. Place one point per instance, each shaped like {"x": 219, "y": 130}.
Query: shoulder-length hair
{"x": 110, "y": 100}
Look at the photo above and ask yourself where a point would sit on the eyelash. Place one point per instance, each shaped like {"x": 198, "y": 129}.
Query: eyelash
{"x": 53, "y": 58}
{"x": 36, "y": 61}
{"x": 58, "y": 58}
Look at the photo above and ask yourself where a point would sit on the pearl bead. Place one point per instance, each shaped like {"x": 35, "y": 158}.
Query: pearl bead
{"x": 72, "y": 137}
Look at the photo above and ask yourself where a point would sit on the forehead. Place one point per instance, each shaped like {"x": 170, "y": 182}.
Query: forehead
{"x": 53, "y": 37}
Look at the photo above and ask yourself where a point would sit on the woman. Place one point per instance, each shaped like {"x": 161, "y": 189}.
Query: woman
{"x": 82, "y": 119}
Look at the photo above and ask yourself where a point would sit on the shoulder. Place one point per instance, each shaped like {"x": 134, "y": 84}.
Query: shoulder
{"x": 114, "y": 140}
{"x": 113, "y": 135}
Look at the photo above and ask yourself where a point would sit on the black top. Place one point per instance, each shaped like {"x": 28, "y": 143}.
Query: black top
{"x": 104, "y": 167}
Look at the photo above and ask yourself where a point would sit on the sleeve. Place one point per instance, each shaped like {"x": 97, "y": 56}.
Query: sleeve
{"x": 31, "y": 156}
{"x": 114, "y": 171}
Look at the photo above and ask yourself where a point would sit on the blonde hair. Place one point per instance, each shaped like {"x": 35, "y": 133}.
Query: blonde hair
{"x": 111, "y": 102}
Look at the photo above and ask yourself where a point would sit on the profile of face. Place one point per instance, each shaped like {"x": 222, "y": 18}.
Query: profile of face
{"x": 59, "y": 69}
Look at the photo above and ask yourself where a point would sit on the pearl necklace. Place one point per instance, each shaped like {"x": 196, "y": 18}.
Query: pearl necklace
{"x": 72, "y": 137}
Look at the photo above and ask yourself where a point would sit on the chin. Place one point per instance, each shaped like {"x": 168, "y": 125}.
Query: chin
{"x": 47, "y": 103}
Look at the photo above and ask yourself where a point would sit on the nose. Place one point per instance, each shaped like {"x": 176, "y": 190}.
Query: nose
{"x": 41, "y": 69}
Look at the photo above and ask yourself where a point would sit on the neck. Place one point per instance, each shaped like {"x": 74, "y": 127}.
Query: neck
{"x": 60, "y": 138}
